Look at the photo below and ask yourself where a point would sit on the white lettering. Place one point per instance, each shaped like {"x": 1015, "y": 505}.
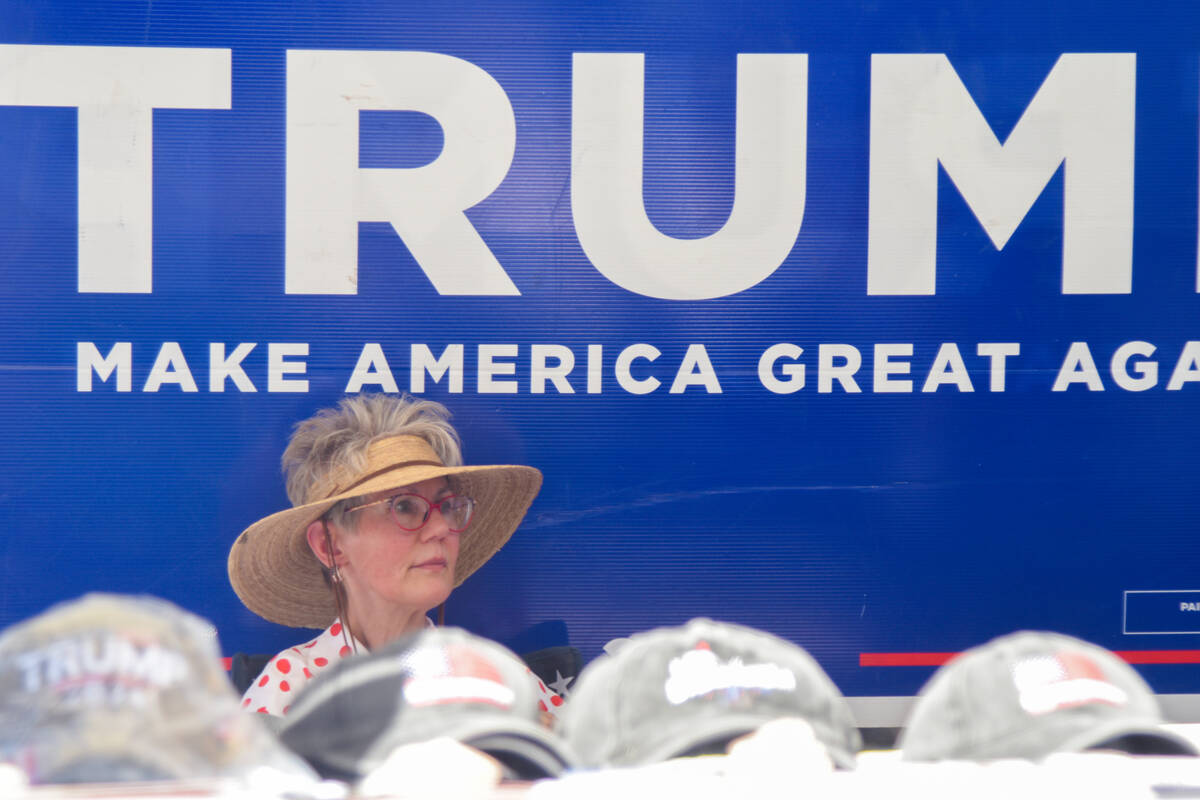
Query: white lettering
{"x": 1187, "y": 368}
{"x": 328, "y": 194}
{"x": 30, "y": 665}
{"x": 793, "y": 371}
{"x": 698, "y": 672}
{"x": 781, "y": 368}
{"x": 73, "y": 666}
{"x": 421, "y": 361}
{"x": 61, "y": 662}
{"x": 372, "y": 368}
{"x": 885, "y": 367}
{"x": 97, "y": 656}
{"x": 828, "y": 370}
{"x": 540, "y": 371}
{"x": 1078, "y": 367}
{"x": 1049, "y": 697}
{"x": 220, "y": 367}
{"x": 88, "y": 359}
{"x": 948, "y": 367}
{"x": 695, "y": 370}
{"x": 595, "y": 367}
{"x": 115, "y": 90}
{"x": 170, "y": 367}
{"x": 997, "y": 352}
{"x": 1082, "y": 116}
{"x": 278, "y": 366}
{"x": 1146, "y": 370}
{"x": 623, "y": 369}
{"x": 489, "y": 368}
{"x": 607, "y": 172}
{"x": 431, "y": 690}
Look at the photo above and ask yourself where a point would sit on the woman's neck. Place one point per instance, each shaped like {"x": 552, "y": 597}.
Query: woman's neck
{"x": 376, "y": 630}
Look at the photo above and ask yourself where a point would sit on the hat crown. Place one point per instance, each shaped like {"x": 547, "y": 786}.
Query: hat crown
{"x": 114, "y": 688}
{"x": 383, "y": 455}
{"x": 670, "y": 690}
{"x": 1026, "y": 695}
{"x": 437, "y": 682}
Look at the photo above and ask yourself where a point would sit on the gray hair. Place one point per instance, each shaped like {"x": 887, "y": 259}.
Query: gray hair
{"x": 336, "y": 440}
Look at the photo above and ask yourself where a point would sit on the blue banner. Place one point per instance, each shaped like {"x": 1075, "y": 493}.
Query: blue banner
{"x": 872, "y": 325}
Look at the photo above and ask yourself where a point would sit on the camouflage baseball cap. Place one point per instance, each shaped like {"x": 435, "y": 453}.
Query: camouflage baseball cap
{"x": 110, "y": 688}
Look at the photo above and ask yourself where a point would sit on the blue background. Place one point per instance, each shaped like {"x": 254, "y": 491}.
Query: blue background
{"x": 848, "y": 523}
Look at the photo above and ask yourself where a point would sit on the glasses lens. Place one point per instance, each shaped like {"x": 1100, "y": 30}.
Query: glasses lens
{"x": 410, "y": 511}
{"x": 458, "y": 510}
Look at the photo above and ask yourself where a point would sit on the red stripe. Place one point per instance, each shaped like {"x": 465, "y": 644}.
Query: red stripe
{"x": 1160, "y": 656}
{"x": 904, "y": 659}
{"x": 937, "y": 659}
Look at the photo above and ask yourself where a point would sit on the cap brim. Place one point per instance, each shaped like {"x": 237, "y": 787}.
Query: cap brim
{"x": 530, "y": 751}
{"x": 694, "y": 734}
{"x": 1138, "y": 737}
{"x": 276, "y": 575}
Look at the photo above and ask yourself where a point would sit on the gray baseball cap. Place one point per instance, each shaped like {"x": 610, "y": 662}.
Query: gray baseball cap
{"x": 433, "y": 683}
{"x": 1029, "y": 694}
{"x": 673, "y": 692}
{"x": 111, "y": 688}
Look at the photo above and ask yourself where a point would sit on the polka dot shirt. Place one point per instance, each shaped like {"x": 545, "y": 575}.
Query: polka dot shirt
{"x": 287, "y": 673}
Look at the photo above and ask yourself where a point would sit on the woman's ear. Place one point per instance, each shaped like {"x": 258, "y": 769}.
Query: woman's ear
{"x": 321, "y": 542}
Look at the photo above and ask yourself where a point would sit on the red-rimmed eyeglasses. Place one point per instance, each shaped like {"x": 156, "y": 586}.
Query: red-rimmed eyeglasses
{"x": 411, "y": 511}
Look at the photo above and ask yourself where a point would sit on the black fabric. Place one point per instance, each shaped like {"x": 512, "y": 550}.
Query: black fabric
{"x": 552, "y": 663}
{"x": 1142, "y": 744}
{"x": 339, "y": 737}
{"x": 245, "y": 667}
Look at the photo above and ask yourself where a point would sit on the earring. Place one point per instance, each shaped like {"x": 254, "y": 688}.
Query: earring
{"x": 335, "y": 577}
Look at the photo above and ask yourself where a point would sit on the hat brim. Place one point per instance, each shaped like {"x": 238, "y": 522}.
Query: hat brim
{"x": 275, "y": 574}
{"x": 692, "y": 734}
{"x": 526, "y": 748}
{"x": 1132, "y": 736}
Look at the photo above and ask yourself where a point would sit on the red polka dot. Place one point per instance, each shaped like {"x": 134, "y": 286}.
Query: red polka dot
{"x": 556, "y": 700}
{"x": 541, "y": 705}
{"x": 313, "y": 643}
{"x": 284, "y": 666}
{"x": 264, "y": 680}
{"x": 345, "y": 651}
{"x": 320, "y": 662}
{"x": 246, "y": 702}
{"x": 261, "y": 710}
{"x": 307, "y": 674}
{"x": 285, "y": 709}
{"x": 542, "y": 687}
{"x": 336, "y": 630}
{"x": 284, "y": 686}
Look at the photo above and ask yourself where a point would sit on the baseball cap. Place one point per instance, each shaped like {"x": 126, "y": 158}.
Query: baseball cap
{"x": 1029, "y": 694}
{"x": 672, "y": 692}
{"x": 438, "y": 682}
{"x": 112, "y": 688}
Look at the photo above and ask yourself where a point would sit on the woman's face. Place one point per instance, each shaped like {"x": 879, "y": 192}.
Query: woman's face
{"x": 390, "y": 570}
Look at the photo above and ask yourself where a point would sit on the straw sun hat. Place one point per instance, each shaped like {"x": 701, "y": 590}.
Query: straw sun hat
{"x": 277, "y": 576}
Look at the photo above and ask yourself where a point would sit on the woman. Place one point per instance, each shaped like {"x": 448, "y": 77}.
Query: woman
{"x": 385, "y": 523}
